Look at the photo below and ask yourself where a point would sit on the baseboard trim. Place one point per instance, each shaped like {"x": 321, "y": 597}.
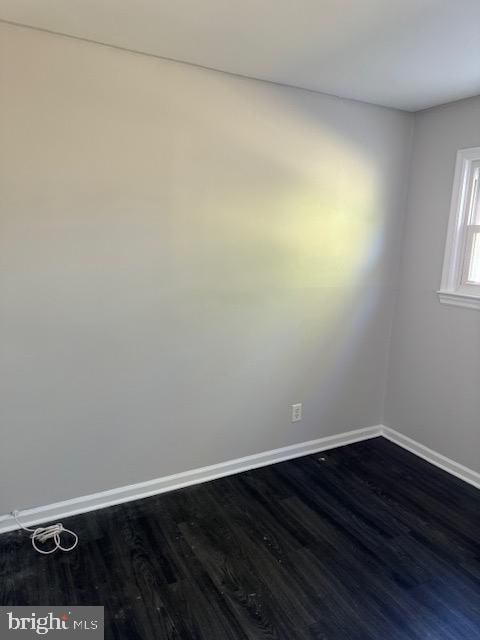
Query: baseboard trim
{"x": 439, "y": 460}
{"x": 83, "y": 504}
{"x": 111, "y": 497}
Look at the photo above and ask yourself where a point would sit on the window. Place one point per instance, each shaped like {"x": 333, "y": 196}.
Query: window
{"x": 461, "y": 268}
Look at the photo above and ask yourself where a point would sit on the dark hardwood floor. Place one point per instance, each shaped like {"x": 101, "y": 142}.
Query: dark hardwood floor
{"x": 362, "y": 542}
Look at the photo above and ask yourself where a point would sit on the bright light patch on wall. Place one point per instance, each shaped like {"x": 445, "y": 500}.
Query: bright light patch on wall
{"x": 303, "y": 224}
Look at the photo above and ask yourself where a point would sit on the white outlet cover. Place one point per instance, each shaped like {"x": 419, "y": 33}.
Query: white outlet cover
{"x": 296, "y": 412}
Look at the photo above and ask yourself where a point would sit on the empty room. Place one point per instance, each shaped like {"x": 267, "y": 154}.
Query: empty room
{"x": 240, "y": 319}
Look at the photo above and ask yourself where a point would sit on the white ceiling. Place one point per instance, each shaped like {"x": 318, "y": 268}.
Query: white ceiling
{"x": 409, "y": 54}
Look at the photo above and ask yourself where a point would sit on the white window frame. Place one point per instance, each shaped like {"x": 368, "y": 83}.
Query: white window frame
{"x": 455, "y": 287}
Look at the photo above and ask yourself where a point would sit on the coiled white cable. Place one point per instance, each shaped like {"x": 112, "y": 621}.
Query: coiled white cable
{"x": 52, "y": 532}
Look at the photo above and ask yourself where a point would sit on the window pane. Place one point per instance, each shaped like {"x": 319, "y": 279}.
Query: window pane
{"x": 475, "y": 210}
{"x": 474, "y": 268}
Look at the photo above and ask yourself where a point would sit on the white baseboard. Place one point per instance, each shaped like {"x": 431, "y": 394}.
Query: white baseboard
{"x": 58, "y": 510}
{"x": 102, "y": 499}
{"x": 439, "y": 460}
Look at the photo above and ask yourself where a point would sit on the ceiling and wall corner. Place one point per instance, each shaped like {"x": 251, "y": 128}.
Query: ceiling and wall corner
{"x": 404, "y": 54}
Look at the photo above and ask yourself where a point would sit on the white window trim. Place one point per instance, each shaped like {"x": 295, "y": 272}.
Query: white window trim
{"x": 452, "y": 291}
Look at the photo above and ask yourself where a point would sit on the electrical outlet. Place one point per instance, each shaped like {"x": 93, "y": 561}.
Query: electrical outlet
{"x": 296, "y": 412}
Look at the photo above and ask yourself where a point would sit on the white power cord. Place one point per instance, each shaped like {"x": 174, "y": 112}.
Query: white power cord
{"x": 42, "y": 534}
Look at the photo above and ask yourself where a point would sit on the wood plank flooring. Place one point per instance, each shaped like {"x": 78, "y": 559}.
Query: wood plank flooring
{"x": 363, "y": 542}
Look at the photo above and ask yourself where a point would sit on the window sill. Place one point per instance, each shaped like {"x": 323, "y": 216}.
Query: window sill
{"x": 459, "y": 299}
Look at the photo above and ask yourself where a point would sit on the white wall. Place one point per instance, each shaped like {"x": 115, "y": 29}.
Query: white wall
{"x": 433, "y": 384}
{"x": 183, "y": 254}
